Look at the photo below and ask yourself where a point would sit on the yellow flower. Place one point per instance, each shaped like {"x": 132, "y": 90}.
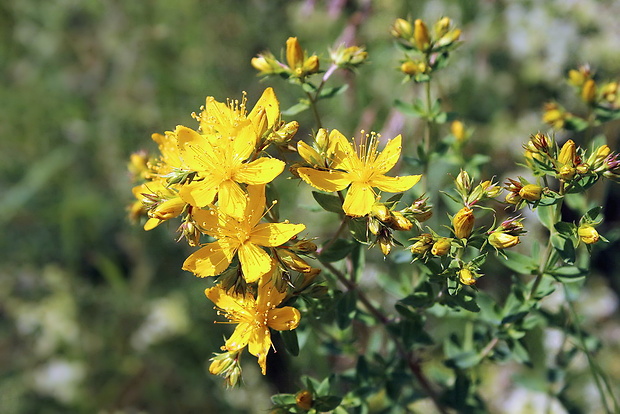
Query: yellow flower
{"x": 239, "y": 236}
{"x": 220, "y": 163}
{"x": 362, "y": 168}
{"x": 254, "y": 318}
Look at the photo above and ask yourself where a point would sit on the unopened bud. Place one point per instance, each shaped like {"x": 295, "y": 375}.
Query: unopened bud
{"x": 467, "y": 277}
{"x": 380, "y": 211}
{"x": 168, "y": 209}
{"x": 311, "y": 65}
{"x": 463, "y": 223}
{"x": 399, "y": 222}
{"x": 568, "y": 153}
{"x": 501, "y": 240}
{"x": 402, "y": 29}
{"x": 442, "y": 26}
{"x": 294, "y": 53}
{"x": 588, "y": 91}
{"x": 458, "y": 130}
{"x": 588, "y": 234}
{"x": 566, "y": 172}
{"x": 441, "y": 247}
{"x": 531, "y": 192}
{"x": 303, "y": 399}
{"x": 420, "y": 35}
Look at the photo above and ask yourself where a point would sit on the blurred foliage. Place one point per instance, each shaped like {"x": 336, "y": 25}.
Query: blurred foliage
{"x": 96, "y": 317}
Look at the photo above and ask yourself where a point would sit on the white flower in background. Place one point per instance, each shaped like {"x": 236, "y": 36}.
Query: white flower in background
{"x": 167, "y": 317}
{"x": 59, "y": 378}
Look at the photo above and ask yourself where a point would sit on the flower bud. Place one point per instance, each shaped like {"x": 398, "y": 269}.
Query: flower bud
{"x": 294, "y": 53}
{"x": 568, "y": 153}
{"x": 501, "y": 240}
{"x": 303, "y": 400}
{"x": 397, "y": 221}
{"x": 423, "y": 244}
{"x": 442, "y": 26}
{"x": 285, "y": 133}
{"x": 311, "y": 65}
{"x": 587, "y": 234}
{"x": 441, "y": 247}
{"x": 582, "y": 169}
{"x": 374, "y": 226}
{"x": 531, "y": 192}
{"x": 566, "y": 172}
{"x": 576, "y": 77}
{"x": 463, "y": 223}
{"x": 168, "y": 209}
{"x": 588, "y": 91}
{"x": 420, "y": 35}
{"x": 467, "y": 277}
{"x": 402, "y": 29}
{"x": 409, "y": 68}
{"x": 458, "y": 130}
{"x": 380, "y": 211}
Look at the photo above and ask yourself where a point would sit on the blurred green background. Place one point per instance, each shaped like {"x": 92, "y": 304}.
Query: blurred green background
{"x": 95, "y": 314}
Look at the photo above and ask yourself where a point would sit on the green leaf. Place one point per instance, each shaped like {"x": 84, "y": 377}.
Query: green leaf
{"x": 327, "y": 403}
{"x": 565, "y": 247}
{"x": 520, "y": 263}
{"x": 566, "y": 229}
{"x": 329, "y": 202}
{"x": 296, "y": 109}
{"x": 569, "y": 274}
{"x": 358, "y": 229}
{"x": 546, "y": 214}
{"x": 593, "y": 216}
{"x": 337, "y": 250}
{"x": 283, "y": 399}
{"x": 346, "y": 309}
{"x": 290, "y": 341}
{"x": 464, "y": 360}
{"x": 327, "y": 93}
{"x": 416, "y": 109}
{"x": 308, "y": 87}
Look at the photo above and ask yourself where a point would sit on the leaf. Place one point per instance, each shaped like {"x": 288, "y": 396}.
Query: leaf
{"x": 593, "y": 216}
{"x": 566, "y": 229}
{"x": 520, "y": 263}
{"x": 564, "y": 246}
{"x": 296, "y": 109}
{"x": 283, "y": 399}
{"x": 290, "y": 341}
{"x": 416, "y": 109}
{"x": 327, "y": 93}
{"x": 546, "y": 214}
{"x": 358, "y": 230}
{"x": 337, "y": 250}
{"x": 329, "y": 202}
{"x": 464, "y": 360}
{"x": 327, "y": 403}
{"x": 568, "y": 274}
{"x": 346, "y": 309}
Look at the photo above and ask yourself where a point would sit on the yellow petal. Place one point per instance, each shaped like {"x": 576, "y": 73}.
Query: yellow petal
{"x": 255, "y": 262}
{"x": 256, "y": 204}
{"x": 236, "y": 303}
{"x": 195, "y": 150}
{"x": 359, "y": 200}
{"x": 152, "y": 223}
{"x": 210, "y": 260}
{"x": 260, "y": 171}
{"x": 200, "y": 193}
{"x": 243, "y": 142}
{"x": 232, "y": 199}
{"x": 395, "y": 184}
{"x": 309, "y": 154}
{"x": 274, "y": 234}
{"x": 259, "y": 345}
{"x": 241, "y": 337}
{"x": 325, "y": 180}
{"x": 389, "y": 156}
{"x": 283, "y": 319}
{"x": 269, "y": 102}
{"x": 343, "y": 153}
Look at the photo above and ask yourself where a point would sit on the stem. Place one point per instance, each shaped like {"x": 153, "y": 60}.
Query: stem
{"x": 412, "y": 361}
{"x": 594, "y": 369}
{"x": 315, "y": 110}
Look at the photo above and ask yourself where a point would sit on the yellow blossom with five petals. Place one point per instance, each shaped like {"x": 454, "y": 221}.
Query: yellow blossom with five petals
{"x": 239, "y": 236}
{"x": 254, "y": 318}
{"x": 362, "y": 168}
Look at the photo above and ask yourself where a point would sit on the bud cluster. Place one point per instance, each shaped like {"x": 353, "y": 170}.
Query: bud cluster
{"x": 432, "y": 46}
{"x": 603, "y": 100}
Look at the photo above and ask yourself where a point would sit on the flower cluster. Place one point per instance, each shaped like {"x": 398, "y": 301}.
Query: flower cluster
{"x": 215, "y": 178}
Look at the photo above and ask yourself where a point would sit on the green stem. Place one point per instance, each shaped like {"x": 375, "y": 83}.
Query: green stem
{"x": 594, "y": 369}
{"x": 315, "y": 110}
